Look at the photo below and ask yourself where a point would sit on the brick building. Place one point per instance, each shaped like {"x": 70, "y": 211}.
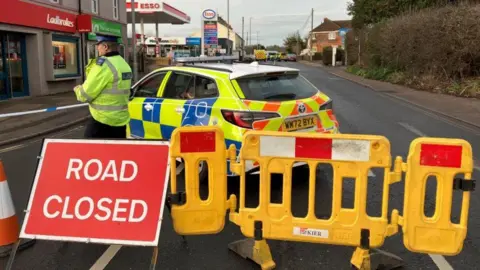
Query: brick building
{"x": 327, "y": 34}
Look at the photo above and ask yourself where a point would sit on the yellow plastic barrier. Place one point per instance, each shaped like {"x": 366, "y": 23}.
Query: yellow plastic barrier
{"x": 351, "y": 156}
{"x": 444, "y": 159}
{"x": 192, "y": 215}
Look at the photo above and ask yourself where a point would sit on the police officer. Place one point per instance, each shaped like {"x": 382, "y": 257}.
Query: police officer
{"x": 107, "y": 90}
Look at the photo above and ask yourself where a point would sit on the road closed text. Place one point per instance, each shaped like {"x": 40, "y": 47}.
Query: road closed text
{"x": 99, "y": 191}
{"x": 99, "y": 208}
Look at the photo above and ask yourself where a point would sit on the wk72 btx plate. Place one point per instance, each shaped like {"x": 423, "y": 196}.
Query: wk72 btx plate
{"x": 298, "y": 123}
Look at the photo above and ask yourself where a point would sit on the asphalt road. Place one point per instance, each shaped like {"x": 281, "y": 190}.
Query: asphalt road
{"x": 359, "y": 110}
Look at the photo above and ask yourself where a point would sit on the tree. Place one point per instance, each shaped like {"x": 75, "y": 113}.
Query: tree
{"x": 276, "y": 48}
{"x": 294, "y": 43}
{"x": 365, "y": 12}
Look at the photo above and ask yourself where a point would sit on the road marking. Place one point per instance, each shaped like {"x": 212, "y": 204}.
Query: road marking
{"x": 107, "y": 256}
{"x": 412, "y": 129}
{"x": 441, "y": 262}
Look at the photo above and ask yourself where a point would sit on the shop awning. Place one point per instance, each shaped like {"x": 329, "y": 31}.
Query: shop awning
{"x": 151, "y": 12}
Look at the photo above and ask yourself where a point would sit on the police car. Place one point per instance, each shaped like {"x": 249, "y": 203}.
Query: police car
{"x": 236, "y": 97}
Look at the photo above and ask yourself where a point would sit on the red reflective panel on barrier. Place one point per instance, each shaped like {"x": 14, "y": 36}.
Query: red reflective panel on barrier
{"x": 197, "y": 142}
{"x": 441, "y": 155}
{"x": 313, "y": 148}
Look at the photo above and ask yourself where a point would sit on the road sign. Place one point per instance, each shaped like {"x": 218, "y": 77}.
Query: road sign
{"x": 99, "y": 191}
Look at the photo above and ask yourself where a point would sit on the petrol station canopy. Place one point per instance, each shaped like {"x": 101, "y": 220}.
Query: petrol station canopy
{"x": 153, "y": 12}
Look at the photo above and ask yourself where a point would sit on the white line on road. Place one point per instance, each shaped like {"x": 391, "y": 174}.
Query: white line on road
{"x": 412, "y": 129}
{"x": 107, "y": 256}
{"x": 441, "y": 262}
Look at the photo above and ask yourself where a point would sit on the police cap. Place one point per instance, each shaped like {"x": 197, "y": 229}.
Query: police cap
{"x": 104, "y": 38}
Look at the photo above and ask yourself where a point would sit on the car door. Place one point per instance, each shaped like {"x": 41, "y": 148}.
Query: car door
{"x": 144, "y": 107}
{"x": 179, "y": 109}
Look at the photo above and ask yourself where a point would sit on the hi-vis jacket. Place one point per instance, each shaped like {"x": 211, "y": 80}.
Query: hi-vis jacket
{"x": 91, "y": 63}
{"x": 107, "y": 89}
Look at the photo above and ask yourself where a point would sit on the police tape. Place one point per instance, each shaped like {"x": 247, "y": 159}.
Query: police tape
{"x": 51, "y": 109}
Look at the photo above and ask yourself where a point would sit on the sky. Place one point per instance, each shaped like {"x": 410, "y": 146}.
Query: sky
{"x": 273, "y": 20}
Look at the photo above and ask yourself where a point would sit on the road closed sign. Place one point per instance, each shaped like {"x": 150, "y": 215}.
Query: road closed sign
{"x": 105, "y": 191}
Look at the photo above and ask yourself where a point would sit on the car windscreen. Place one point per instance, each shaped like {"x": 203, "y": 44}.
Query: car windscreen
{"x": 276, "y": 87}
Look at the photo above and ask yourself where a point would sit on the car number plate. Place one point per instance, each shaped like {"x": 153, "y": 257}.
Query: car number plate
{"x": 300, "y": 123}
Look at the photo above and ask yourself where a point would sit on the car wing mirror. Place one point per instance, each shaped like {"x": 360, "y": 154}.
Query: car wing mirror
{"x": 132, "y": 93}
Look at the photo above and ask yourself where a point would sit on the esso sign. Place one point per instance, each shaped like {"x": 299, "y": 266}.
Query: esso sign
{"x": 209, "y": 14}
{"x": 150, "y": 6}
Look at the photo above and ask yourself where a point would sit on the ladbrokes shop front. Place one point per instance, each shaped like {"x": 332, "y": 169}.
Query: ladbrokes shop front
{"x": 39, "y": 50}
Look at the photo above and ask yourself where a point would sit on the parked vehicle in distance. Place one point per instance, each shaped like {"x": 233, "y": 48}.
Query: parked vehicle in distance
{"x": 292, "y": 57}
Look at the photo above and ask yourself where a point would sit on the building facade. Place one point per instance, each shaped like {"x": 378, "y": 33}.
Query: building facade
{"x": 41, "y": 49}
{"x": 328, "y": 34}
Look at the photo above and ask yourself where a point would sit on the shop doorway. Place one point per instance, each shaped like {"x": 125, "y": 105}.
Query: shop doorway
{"x": 13, "y": 66}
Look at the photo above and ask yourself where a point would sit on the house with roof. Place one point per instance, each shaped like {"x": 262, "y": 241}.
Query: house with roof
{"x": 328, "y": 34}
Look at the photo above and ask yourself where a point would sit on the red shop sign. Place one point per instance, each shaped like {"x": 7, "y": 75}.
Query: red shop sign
{"x": 30, "y": 14}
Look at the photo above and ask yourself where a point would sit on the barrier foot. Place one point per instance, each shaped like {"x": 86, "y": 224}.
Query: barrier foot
{"x": 169, "y": 208}
{"x": 23, "y": 244}
{"x": 257, "y": 251}
{"x": 375, "y": 259}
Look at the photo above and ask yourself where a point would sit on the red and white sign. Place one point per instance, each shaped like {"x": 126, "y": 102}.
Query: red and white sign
{"x": 110, "y": 192}
{"x": 145, "y": 6}
{"x": 317, "y": 148}
{"x": 36, "y": 15}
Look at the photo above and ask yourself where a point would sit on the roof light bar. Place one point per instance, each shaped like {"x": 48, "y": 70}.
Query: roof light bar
{"x": 205, "y": 59}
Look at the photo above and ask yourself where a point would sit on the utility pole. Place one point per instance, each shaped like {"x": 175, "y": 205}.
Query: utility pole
{"x": 228, "y": 27}
{"x": 258, "y": 44}
{"x": 243, "y": 37}
{"x": 311, "y": 38}
{"x": 250, "y": 31}
{"x": 134, "y": 41}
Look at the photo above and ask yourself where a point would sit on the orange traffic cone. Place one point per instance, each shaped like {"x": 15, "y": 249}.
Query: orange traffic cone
{"x": 9, "y": 229}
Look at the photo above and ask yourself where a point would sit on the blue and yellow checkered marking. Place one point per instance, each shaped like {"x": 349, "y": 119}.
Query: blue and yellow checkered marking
{"x": 146, "y": 115}
{"x": 197, "y": 112}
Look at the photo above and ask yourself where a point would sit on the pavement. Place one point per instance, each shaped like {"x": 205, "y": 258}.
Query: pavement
{"x": 466, "y": 110}
{"x": 360, "y": 110}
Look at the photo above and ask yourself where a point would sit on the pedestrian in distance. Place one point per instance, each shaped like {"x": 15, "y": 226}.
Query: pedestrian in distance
{"x": 107, "y": 91}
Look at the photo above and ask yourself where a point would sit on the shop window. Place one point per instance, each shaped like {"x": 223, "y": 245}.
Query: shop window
{"x": 95, "y": 6}
{"x": 65, "y": 57}
{"x": 115, "y": 9}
